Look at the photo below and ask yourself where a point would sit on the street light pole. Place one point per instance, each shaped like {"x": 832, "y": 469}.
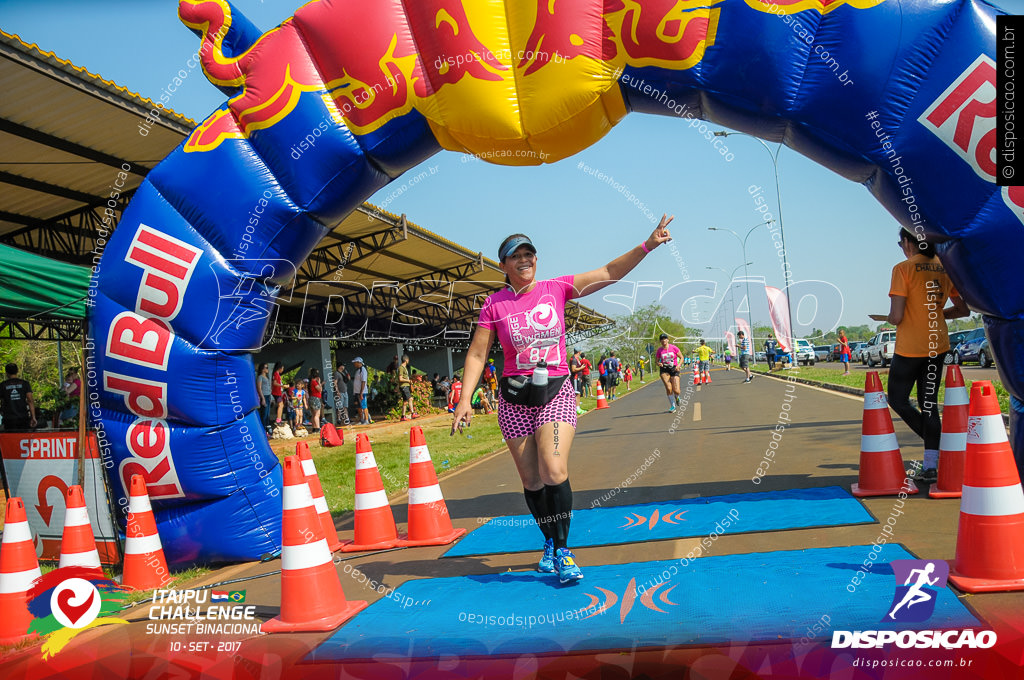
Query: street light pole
{"x": 743, "y": 244}
{"x": 732, "y": 294}
{"x": 786, "y": 274}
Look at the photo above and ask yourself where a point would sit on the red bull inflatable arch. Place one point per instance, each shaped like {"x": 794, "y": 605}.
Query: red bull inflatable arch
{"x": 347, "y": 95}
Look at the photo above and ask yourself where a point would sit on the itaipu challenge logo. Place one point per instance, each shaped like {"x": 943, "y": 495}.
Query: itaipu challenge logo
{"x": 70, "y": 600}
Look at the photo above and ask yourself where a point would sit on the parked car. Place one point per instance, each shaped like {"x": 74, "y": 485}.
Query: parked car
{"x": 879, "y": 349}
{"x": 955, "y": 338}
{"x": 822, "y": 352}
{"x": 805, "y": 352}
{"x": 855, "y": 350}
{"x": 968, "y": 346}
{"x": 760, "y": 356}
{"x": 974, "y": 348}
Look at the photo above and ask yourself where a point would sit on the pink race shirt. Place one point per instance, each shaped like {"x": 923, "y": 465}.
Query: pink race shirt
{"x": 668, "y": 356}
{"x": 531, "y": 326}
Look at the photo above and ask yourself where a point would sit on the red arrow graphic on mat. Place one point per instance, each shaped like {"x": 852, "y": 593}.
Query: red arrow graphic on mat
{"x": 46, "y": 483}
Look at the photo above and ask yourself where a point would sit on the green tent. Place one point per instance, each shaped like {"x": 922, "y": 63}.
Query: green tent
{"x": 36, "y": 287}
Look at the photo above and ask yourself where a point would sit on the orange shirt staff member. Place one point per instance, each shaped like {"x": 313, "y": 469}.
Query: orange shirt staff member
{"x": 918, "y": 294}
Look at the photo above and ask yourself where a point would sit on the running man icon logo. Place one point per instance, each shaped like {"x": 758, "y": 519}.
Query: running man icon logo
{"x": 914, "y": 600}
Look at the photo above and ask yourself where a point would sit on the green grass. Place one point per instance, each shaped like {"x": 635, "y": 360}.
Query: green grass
{"x": 336, "y": 466}
{"x": 833, "y": 377}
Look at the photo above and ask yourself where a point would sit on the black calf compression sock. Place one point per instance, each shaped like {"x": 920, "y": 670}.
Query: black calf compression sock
{"x": 559, "y": 499}
{"x": 537, "y": 502}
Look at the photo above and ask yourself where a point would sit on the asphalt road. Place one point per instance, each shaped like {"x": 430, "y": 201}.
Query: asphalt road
{"x": 712, "y": 446}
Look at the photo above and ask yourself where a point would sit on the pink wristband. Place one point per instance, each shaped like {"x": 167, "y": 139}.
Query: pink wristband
{"x": 643, "y": 244}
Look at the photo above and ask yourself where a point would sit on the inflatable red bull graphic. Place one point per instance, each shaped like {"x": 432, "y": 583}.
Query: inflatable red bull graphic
{"x": 347, "y": 95}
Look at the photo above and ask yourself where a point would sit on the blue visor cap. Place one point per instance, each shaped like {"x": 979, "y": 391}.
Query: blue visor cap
{"x": 513, "y": 245}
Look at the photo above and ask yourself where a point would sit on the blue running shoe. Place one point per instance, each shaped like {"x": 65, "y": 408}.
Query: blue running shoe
{"x": 672, "y": 408}
{"x": 547, "y": 562}
{"x": 568, "y": 570}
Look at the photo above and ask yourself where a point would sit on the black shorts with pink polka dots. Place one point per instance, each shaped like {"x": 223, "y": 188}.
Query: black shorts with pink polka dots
{"x": 518, "y": 421}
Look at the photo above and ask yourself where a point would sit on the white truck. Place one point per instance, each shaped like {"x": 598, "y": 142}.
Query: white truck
{"x": 805, "y": 353}
{"x": 879, "y": 349}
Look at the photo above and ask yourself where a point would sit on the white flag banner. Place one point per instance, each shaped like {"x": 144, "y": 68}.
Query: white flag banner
{"x": 779, "y": 311}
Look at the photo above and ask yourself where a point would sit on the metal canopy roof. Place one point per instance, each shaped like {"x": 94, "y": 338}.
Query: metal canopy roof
{"x": 65, "y": 135}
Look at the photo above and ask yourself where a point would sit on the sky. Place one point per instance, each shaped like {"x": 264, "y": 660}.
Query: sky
{"x": 835, "y": 232}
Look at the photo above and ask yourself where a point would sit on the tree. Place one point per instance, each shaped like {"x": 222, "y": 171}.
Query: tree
{"x": 634, "y": 334}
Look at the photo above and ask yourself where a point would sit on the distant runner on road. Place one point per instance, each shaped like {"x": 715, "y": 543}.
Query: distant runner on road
{"x": 668, "y": 357}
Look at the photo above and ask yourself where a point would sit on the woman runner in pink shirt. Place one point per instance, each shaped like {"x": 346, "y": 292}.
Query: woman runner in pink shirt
{"x": 668, "y": 357}
{"x": 539, "y": 422}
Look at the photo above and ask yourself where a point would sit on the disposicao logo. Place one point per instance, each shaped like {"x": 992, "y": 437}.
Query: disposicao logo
{"x": 917, "y": 587}
{"x": 69, "y": 600}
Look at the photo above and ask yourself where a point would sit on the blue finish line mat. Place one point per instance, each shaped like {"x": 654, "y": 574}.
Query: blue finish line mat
{"x": 730, "y": 514}
{"x": 758, "y": 597}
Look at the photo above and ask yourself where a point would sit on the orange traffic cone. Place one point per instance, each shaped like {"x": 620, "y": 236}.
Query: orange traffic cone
{"x": 601, "y": 401}
{"x": 319, "y": 502}
{"x": 18, "y": 569}
{"x": 312, "y": 598}
{"x": 990, "y": 538}
{"x": 429, "y": 523}
{"x": 881, "y": 465}
{"x": 953, "y": 444}
{"x": 375, "y": 525}
{"x": 144, "y": 565}
{"x": 77, "y": 545}
{"x": 696, "y": 374}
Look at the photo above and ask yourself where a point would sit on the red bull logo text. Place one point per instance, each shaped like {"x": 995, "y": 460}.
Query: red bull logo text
{"x": 143, "y": 338}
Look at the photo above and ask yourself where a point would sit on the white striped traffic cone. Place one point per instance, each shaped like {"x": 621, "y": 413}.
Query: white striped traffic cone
{"x": 429, "y": 523}
{"x": 19, "y": 567}
{"x": 956, "y": 409}
{"x": 881, "y": 465}
{"x": 78, "y": 545}
{"x": 312, "y": 598}
{"x": 144, "y": 565}
{"x": 374, "y": 523}
{"x": 317, "y": 490}
{"x": 990, "y": 537}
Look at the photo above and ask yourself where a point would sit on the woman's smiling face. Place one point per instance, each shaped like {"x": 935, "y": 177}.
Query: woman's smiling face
{"x": 520, "y": 266}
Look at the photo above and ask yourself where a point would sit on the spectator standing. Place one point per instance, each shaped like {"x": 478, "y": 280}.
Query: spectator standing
{"x": 316, "y": 394}
{"x": 299, "y": 403}
{"x": 405, "y": 389}
{"x": 627, "y": 375}
{"x": 361, "y": 390}
{"x": 491, "y": 381}
{"x": 612, "y": 373}
{"x": 640, "y": 365}
{"x": 588, "y": 389}
{"x": 341, "y": 381}
{"x": 844, "y": 351}
{"x": 264, "y": 387}
{"x": 455, "y": 393}
{"x": 17, "y": 406}
{"x": 918, "y": 290}
{"x": 769, "y": 352}
{"x": 277, "y": 391}
{"x": 576, "y": 375}
{"x": 72, "y": 389}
